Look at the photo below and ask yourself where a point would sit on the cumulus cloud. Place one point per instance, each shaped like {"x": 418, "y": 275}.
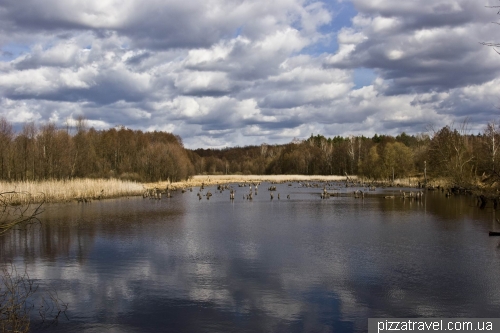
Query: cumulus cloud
{"x": 421, "y": 46}
{"x": 222, "y": 73}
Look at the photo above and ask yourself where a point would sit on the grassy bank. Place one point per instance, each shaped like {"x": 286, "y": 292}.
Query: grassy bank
{"x": 69, "y": 190}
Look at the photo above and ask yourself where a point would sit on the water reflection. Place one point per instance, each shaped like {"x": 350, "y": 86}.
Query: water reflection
{"x": 297, "y": 265}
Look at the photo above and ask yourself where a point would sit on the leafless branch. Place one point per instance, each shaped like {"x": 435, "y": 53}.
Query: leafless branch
{"x": 17, "y": 209}
{"x": 18, "y": 300}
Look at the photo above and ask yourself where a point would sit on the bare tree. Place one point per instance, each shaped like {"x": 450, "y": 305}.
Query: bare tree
{"x": 28, "y": 150}
{"x": 6, "y": 135}
{"x": 494, "y": 45}
{"x": 492, "y": 142}
{"x": 451, "y": 154}
{"x": 18, "y": 299}
{"x": 327, "y": 149}
{"x": 351, "y": 149}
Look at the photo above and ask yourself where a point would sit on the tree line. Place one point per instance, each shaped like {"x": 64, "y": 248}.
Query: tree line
{"x": 450, "y": 153}
{"x": 48, "y": 152}
{"x": 377, "y": 157}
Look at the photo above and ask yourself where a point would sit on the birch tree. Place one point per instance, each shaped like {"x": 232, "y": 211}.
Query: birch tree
{"x": 492, "y": 143}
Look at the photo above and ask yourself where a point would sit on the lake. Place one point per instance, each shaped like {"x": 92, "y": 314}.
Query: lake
{"x": 302, "y": 264}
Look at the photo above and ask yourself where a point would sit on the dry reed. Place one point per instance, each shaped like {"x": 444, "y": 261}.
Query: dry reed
{"x": 68, "y": 190}
{"x": 77, "y": 189}
{"x": 221, "y": 179}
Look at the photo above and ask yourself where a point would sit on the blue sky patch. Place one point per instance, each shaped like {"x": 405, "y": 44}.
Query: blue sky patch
{"x": 363, "y": 77}
{"x": 11, "y": 51}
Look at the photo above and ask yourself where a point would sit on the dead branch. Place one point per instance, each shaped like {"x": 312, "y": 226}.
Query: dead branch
{"x": 18, "y": 209}
{"x": 18, "y": 300}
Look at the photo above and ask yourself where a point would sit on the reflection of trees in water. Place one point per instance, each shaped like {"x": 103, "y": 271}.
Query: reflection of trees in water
{"x": 435, "y": 203}
{"x": 18, "y": 292}
{"x": 66, "y": 234}
{"x": 147, "y": 264}
{"x": 17, "y": 209}
{"x": 48, "y": 241}
{"x": 453, "y": 208}
{"x": 71, "y": 230}
{"x": 17, "y": 214}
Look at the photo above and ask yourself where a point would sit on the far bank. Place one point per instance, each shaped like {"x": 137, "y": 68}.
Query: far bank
{"x": 86, "y": 190}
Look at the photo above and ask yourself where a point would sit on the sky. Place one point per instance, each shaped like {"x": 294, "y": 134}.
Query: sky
{"x": 224, "y": 73}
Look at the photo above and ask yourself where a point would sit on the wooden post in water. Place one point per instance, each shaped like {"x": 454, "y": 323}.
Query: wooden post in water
{"x": 425, "y": 174}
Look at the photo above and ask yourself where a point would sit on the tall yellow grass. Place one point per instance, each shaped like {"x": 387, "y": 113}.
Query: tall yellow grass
{"x": 69, "y": 190}
{"x": 221, "y": 179}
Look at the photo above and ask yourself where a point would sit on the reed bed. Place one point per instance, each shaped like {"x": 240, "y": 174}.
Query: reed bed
{"x": 222, "y": 179}
{"x": 69, "y": 190}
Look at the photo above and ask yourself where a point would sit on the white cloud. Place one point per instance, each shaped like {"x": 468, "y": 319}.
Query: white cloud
{"x": 382, "y": 24}
{"x": 242, "y": 72}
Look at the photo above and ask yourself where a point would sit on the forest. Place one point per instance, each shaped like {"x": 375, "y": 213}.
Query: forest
{"x": 48, "y": 152}
{"x": 450, "y": 153}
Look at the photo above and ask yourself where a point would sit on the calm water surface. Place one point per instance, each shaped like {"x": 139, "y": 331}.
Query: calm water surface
{"x": 297, "y": 265}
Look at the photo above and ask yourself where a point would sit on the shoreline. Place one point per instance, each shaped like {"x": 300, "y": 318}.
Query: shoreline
{"x": 209, "y": 180}
{"x": 86, "y": 190}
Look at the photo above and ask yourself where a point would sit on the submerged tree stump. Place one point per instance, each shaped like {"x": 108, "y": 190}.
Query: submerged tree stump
{"x": 482, "y": 201}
